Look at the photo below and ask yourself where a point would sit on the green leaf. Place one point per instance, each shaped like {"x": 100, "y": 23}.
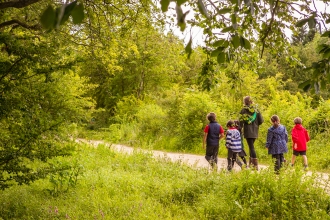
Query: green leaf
{"x": 227, "y": 29}
{"x": 326, "y": 54}
{"x": 78, "y": 14}
{"x": 48, "y": 18}
{"x": 302, "y": 22}
{"x": 180, "y": 2}
{"x": 322, "y": 48}
{"x": 221, "y": 58}
{"x": 202, "y": 8}
{"x": 181, "y": 17}
{"x": 67, "y": 11}
{"x": 164, "y": 5}
{"x": 233, "y": 19}
{"x": 245, "y": 43}
{"x": 224, "y": 11}
{"x": 216, "y": 52}
{"x": 311, "y": 22}
{"x": 327, "y": 21}
{"x": 222, "y": 42}
{"x": 323, "y": 84}
{"x": 326, "y": 34}
{"x": 188, "y": 48}
{"x": 305, "y": 85}
{"x": 236, "y": 41}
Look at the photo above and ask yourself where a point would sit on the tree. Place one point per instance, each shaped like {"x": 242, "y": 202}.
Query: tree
{"x": 233, "y": 27}
{"x": 39, "y": 94}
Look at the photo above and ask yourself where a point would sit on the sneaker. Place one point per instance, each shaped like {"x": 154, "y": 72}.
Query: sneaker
{"x": 305, "y": 167}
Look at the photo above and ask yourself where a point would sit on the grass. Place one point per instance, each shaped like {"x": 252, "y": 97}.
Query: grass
{"x": 119, "y": 186}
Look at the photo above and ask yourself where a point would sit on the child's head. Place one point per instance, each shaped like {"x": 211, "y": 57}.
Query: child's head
{"x": 297, "y": 120}
{"x": 236, "y": 123}
{"x": 230, "y": 124}
{"x": 275, "y": 120}
{"x": 247, "y": 100}
{"x": 211, "y": 116}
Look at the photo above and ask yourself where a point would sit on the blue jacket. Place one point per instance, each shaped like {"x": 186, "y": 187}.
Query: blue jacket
{"x": 277, "y": 139}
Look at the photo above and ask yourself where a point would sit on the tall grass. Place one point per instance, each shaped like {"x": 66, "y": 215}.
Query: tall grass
{"x": 119, "y": 186}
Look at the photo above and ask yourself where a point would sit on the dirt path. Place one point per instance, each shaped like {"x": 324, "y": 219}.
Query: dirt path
{"x": 196, "y": 161}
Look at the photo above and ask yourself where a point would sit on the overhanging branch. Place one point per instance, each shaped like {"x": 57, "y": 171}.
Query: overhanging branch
{"x": 14, "y": 21}
{"x": 263, "y": 40}
{"x": 17, "y": 3}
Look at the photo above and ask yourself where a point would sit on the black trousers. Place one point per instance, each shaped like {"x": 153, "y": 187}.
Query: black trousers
{"x": 279, "y": 159}
{"x": 212, "y": 153}
{"x": 250, "y": 142}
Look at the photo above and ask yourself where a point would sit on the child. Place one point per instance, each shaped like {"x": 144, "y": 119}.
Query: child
{"x": 233, "y": 144}
{"x": 299, "y": 138}
{"x": 242, "y": 154}
{"x": 277, "y": 138}
{"x": 213, "y": 132}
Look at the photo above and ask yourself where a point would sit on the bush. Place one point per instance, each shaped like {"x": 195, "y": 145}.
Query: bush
{"x": 320, "y": 121}
{"x": 192, "y": 119}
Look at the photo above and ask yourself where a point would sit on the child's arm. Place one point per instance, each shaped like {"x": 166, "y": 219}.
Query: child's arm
{"x": 307, "y": 136}
{"x": 269, "y": 138}
{"x": 222, "y": 133}
{"x": 294, "y": 145}
{"x": 286, "y": 135}
{"x": 204, "y": 140}
{"x": 294, "y": 136}
{"x": 228, "y": 140}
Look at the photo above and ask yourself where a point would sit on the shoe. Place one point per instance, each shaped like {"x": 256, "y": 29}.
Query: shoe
{"x": 305, "y": 167}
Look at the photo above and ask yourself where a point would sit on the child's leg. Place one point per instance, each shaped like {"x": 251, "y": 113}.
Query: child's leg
{"x": 282, "y": 160}
{"x": 233, "y": 160}
{"x": 305, "y": 160}
{"x": 229, "y": 160}
{"x": 229, "y": 165}
{"x": 237, "y": 160}
{"x": 293, "y": 159}
{"x": 277, "y": 164}
{"x": 244, "y": 160}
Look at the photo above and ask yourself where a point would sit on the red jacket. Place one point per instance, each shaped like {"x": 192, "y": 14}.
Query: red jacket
{"x": 300, "y": 137}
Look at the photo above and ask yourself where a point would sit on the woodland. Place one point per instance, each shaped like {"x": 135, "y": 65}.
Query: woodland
{"x": 116, "y": 71}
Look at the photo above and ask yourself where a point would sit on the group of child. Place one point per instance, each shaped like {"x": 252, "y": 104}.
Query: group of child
{"x": 277, "y": 138}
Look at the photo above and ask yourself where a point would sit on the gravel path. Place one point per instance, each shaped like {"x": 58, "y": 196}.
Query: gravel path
{"x": 196, "y": 161}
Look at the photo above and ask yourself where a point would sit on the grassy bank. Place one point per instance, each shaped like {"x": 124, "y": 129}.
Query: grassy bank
{"x": 111, "y": 185}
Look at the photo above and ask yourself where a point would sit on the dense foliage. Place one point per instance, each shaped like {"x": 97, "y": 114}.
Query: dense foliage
{"x": 113, "y": 66}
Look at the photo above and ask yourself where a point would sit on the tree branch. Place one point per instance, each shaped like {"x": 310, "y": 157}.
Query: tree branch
{"x": 17, "y": 3}
{"x": 217, "y": 9}
{"x": 268, "y": 29}
{"x": 14, "y": 21}
{"x": 9, "y": 70}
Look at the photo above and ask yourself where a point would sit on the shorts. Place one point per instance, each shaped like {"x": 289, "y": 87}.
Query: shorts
{"x": 297, "y": 153}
